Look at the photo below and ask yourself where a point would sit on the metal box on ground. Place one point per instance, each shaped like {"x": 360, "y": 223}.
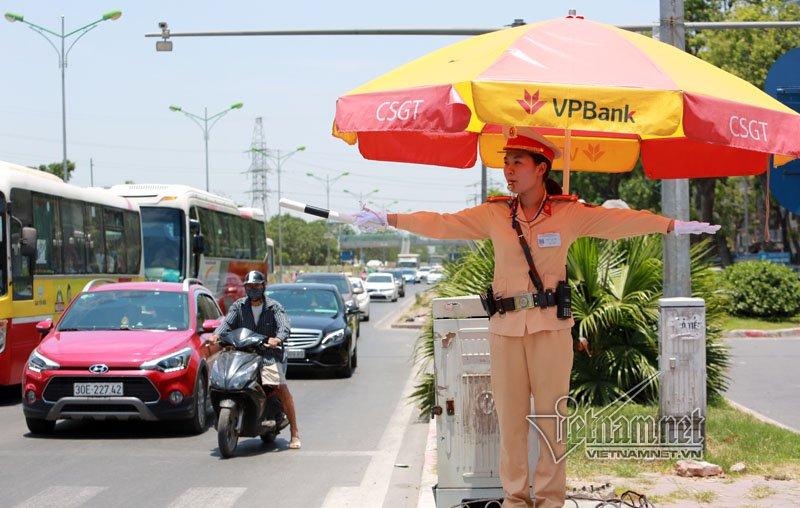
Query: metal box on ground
{"x": 468, "y": 436}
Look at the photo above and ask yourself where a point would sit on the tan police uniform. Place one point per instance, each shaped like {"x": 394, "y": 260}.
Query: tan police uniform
{"x": 531, "y": 349}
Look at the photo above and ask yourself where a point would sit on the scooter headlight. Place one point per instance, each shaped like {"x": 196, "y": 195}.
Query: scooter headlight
{"x": 170, "y": 363}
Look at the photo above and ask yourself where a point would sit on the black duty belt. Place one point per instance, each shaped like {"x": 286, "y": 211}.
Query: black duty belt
{"x": 526, "y": 301}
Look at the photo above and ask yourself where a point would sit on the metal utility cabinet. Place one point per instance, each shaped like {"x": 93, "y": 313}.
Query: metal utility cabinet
{"x": 468, "y": 437}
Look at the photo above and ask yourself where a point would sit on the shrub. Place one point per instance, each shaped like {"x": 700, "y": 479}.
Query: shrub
{"x": 762, "y": 289}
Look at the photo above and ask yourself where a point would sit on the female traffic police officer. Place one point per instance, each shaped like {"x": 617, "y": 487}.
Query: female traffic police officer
{"x": 530, "y": 345}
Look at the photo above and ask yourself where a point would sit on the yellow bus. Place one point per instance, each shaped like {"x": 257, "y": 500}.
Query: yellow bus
{"x": 55, "y": 238}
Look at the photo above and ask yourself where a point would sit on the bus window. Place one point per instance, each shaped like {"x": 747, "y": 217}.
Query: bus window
{"x": 3, "y": 271}
{"x": 21, "y": 276}
{"x": 242, "y": 236}
{"x": 95, "y": 251}
{"x": 133, "y": 242}
{"x": 259, "y": 240}
{"x": 163, "y": 243}
{"x": 46, "y": 220}
{"x": 224, "y": 239}
{"x": 115, "y": 244}
{"x": 209, "y": 230}
{"x": 73, "y": 235}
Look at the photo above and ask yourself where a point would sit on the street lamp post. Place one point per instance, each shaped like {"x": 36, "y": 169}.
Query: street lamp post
{"x": 278, "y": 159}
{"x": 204, "y": 125}
{"x": 63, "y": 53}
{"x": 362, "y": 196}
{"x": 327, "y": 182}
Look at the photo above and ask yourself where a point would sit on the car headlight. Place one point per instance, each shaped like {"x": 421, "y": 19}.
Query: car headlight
{"x": 333, "y": 337}
{"x": 170, "y": 363}
{"x": 37, "y": 362}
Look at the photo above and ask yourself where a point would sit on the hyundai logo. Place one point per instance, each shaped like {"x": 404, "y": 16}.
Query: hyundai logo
{"x": 98, "y": 368}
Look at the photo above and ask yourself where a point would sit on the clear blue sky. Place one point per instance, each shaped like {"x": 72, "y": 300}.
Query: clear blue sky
{"x": 119, "y": 90}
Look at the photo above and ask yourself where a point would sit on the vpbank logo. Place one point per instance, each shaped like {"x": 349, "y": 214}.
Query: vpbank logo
{"x": 531, "y": 103}
{"x": 593, "y": 152}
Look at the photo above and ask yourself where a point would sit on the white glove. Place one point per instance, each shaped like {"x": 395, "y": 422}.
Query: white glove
{"x": 368, "y": 220}
{"x": 694, "y": 228}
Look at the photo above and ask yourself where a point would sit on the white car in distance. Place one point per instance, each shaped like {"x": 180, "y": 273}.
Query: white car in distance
{"x": 361, "y": 297}
{"x": 381, "y": 285}
{"x": 434, "y": 276}
{"x": 422, "y": 273}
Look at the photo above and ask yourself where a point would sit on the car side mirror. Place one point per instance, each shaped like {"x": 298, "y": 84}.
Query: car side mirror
{"x": 45, "y": 326}
{"x": 353, "y": 311}
{"x": 198, "y": 244}
{"x": 358, "y": 291}
{"x": 209, "y": 325}
{"x": 28, "y": 242}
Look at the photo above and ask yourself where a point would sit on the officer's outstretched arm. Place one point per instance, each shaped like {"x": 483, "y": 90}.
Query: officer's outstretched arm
{"x": 615, "y": 223}
{"x": 468, "y": 224}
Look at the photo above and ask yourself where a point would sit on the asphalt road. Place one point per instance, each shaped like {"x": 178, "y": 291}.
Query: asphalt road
{"x": 362, "y": 446}
{"x": 765, "y": 377}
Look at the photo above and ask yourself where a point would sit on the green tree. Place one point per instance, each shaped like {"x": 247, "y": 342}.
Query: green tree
{"x": 304, "y": 243}
{"x": 57, "y": 169}
{"x": 747, "y": 54}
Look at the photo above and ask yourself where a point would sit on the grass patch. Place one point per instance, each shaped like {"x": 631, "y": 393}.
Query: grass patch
{"x": 704, "y": 496}
{"x": 747, "y": 323}
{"x": 732, "y": 436}
{"x": 760, "y": 492}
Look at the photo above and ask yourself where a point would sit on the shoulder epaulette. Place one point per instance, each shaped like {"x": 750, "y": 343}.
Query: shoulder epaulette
{"x": 499, "y": 199}
{"x": 563, "y": 197}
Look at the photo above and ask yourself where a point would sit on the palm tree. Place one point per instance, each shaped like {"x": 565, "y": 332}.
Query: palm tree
{"x": 615, "y": 292}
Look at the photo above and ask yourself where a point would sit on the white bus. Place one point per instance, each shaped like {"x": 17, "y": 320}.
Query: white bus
{"x": 55, "y": 237}
{"x": 192, "y": 233}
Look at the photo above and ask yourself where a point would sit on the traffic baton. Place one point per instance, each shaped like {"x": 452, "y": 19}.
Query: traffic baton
{"x": 316, "y": 211}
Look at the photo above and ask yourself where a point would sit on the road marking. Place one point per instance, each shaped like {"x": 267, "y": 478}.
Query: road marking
{"x": 61, "y": 497}
{"x": 375, "y": 483}
{"x": 218, "y": 497}
{"x": 386, "y": 322}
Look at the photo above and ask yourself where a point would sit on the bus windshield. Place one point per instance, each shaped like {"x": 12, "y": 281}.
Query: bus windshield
{"x": 163, "y": 243}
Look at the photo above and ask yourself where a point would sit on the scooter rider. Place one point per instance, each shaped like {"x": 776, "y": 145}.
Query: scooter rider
{"x": 264, "y": 316}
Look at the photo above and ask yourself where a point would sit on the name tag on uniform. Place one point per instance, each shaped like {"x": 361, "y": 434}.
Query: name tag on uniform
{"x": 549, "y": 240}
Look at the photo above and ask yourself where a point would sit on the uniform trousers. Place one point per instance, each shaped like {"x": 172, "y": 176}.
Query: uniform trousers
{"x": 538, "y": 365}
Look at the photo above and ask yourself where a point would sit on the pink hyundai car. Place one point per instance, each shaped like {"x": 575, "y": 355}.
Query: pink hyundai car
{"x": 134, "y": 350}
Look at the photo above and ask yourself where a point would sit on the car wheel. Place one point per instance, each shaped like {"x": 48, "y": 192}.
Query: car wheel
{"x": 198, "y": 422}
{"x": 355, "y": 358}
{"x": 40, "y": 425}
{"x": 394, "y": 299}
{"x": 366, "y": 316}
{"x": 347, "y": 370}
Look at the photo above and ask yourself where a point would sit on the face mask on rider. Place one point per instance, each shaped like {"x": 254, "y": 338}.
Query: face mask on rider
{"x": 254, "y": 293}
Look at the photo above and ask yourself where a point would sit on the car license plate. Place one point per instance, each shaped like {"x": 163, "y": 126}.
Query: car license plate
{"x": 97, "y": 389}
{"x": 294, "y": 354}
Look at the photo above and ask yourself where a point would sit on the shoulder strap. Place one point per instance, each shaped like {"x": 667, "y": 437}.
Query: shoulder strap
{"x": 532, "y": 272}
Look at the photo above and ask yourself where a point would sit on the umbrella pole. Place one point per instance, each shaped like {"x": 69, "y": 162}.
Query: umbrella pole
{"x": 567, "y": 152}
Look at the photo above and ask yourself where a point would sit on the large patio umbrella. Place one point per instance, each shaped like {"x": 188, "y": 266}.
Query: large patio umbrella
{"x": 607, "y": 95}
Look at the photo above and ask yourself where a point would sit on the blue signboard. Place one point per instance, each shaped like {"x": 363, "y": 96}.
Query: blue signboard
{"x": 783, "y": 258}
{"x": 347, "y": 255}
{"x": 783, "y": 83}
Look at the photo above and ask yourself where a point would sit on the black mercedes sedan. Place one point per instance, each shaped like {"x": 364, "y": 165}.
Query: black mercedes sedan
{"x": 322, "y": 327}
